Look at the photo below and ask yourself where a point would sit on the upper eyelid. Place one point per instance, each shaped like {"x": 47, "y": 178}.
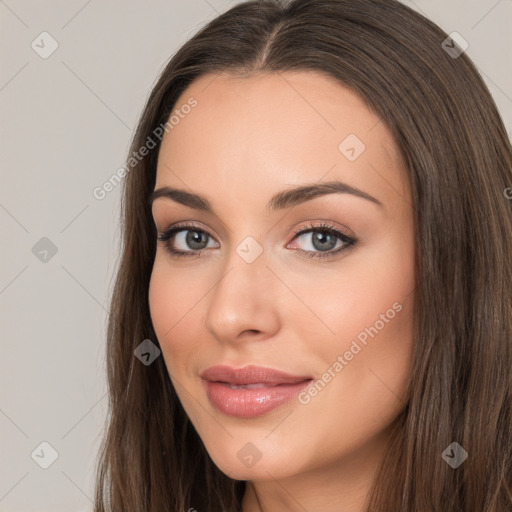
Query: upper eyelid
{"x": 325, "y": 225}
{"x": 186, "y": 226}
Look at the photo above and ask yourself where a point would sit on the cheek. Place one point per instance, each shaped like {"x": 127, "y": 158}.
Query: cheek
{"x": 174, "y": 297}
{"x": 362, "y": 348}
{"x": 366, "y": 372}
{"x": 367, "y": 297}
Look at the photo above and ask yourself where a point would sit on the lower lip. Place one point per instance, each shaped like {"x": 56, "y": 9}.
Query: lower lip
{"x": 249, "y": 403}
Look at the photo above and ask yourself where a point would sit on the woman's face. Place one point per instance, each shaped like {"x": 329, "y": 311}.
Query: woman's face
{"x": 332, "y": 309}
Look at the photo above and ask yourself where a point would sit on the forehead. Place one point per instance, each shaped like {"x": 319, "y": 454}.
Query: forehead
{"x": 274, "y": 129}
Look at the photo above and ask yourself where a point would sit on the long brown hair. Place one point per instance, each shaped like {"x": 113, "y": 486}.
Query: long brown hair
{"x": 459, "y": 160}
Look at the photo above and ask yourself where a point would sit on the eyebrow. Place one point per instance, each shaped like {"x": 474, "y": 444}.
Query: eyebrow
{"x": 280, "y": 201}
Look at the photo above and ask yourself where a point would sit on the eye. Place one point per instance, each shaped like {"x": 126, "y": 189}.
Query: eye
{"x": 186, "y": 238}
{"x": 323, "y": 240}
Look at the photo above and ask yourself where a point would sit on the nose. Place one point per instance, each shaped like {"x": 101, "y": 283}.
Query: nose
{"x": 244, "y": 302}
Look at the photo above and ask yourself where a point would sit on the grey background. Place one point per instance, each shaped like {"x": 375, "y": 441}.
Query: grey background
{"x": 66, "y": 123}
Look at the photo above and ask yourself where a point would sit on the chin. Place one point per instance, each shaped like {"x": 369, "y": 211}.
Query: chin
{"x": 247, "y": 462}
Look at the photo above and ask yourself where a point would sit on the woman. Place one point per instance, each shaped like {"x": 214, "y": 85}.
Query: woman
{"x": 313, "y": 305}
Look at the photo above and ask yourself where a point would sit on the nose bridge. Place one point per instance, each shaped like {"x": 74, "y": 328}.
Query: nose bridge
{"x": 246, "y": 267}
{"x": 242, "y": 298}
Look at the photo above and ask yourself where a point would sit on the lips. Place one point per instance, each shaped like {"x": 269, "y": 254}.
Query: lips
{"x": 250, "y": 375}
{"x": 250, "y": 391}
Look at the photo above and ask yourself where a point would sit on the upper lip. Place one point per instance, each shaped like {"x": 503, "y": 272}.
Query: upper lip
{"x": 250, "y": 375}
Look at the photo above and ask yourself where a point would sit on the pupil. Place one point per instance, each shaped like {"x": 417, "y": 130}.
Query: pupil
{"x": 195, "y": 237}
{"x": 321, "y": 240}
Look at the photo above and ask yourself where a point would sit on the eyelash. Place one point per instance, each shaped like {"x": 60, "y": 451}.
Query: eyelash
{"x": 323, "y": 227}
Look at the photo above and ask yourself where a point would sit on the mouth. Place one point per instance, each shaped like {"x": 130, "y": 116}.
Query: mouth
{"x": 258, "y": 385}
{"x": 251, "y": 375}
{"x": 250, "y": 391}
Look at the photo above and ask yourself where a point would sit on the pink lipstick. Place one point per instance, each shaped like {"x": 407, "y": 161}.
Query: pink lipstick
{"x": 250, "y": 391}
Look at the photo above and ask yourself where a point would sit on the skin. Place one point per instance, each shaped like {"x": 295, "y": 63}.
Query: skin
{"x": 247, "y": 139}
